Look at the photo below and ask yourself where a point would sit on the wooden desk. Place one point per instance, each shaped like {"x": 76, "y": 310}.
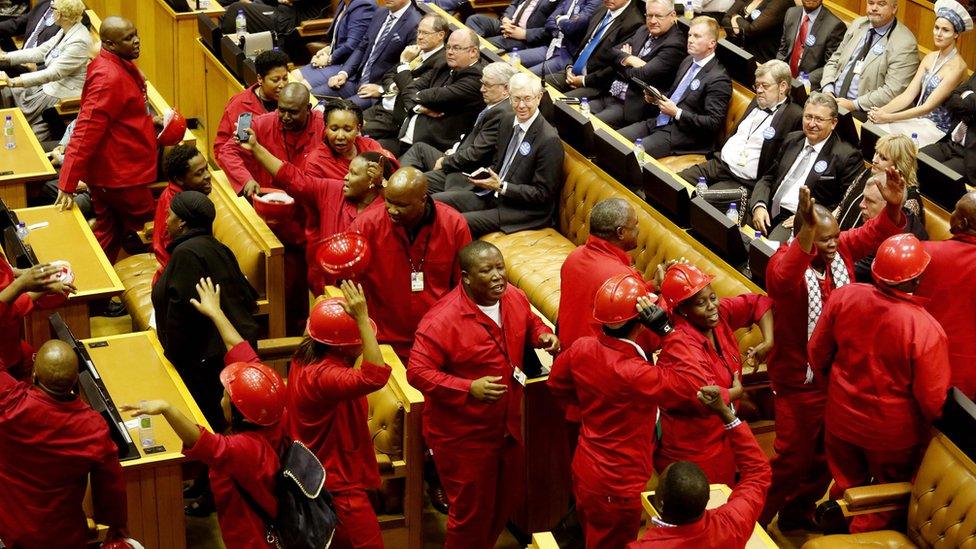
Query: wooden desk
{"x": 718, "y": 496}
{"x": 27, "y": 162}
{"x": 154, "y": 483}
{"x": 68, "y": 237}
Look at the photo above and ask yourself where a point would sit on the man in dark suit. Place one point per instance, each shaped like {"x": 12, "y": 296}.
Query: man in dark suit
{"x": 522, "y": 24}
{"x": 392, "y": 28}
{"x": 521, "y": 188}
{"x": 443, "y": 104}
{"x": 692, "y": 111}
{"x": 652, "y": 55}
{"x": 564, "y": 29}
{"x": 811, "y": 34}
{"x": 477, "y": 148}
{"x": 816, "y": 158}
{"x": 755, "y": 142}
{"x": 383, "y": 120}
{"x": 36, "y": 26}
{"x": 612, "y": 24}
{"x": 955, "y": 150}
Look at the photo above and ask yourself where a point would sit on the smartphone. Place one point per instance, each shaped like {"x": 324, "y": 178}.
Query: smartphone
{"x": 243, "y": 124}
{"x": 569, "y": 100}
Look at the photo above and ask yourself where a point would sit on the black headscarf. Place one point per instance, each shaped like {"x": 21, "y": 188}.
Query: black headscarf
{"x": 194, "y": 209}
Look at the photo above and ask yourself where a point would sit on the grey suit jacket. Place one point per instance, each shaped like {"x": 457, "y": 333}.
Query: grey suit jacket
{"x": 478, "y": 146}
{"x": 65, "y": 59}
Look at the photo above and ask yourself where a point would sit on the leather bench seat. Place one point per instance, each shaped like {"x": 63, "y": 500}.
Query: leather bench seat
{"x": 136, "y": 273}
{"x": 533, "y": 260}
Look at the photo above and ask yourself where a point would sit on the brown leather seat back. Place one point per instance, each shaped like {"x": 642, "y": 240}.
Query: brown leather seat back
{"x": 231, "y": 229}
{"x": 386, "y": 421}
{"x": 741, "y": 97}
{"x": 942, "y": 510}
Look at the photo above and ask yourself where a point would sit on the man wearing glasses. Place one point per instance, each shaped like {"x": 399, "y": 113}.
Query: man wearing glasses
{"x": 815, "y": 158}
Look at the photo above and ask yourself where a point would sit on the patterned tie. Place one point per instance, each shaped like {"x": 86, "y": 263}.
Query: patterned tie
{"x": 41, "y": 25}
{"x": 580, "y": 65}
{"x": 377, "y": 47}
{"x": 510, "y": 152}
{"x": 959, "y": 133}
{"x": 679, "y": 92}
{"x": 849, "y": 77}
{"x": 618, "y": 88}
{"x": 801, "y": 42}
{"x": 801, "y": 169}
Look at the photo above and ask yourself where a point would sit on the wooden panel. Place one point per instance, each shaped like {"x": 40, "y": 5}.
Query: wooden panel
{"x": 26, "y": 161}
{"x": 158, "y": 59}
{"x": 220, "y": 85}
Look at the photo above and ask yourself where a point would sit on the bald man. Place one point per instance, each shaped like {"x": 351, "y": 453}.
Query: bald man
{"x": 414, "y": 243}
{"x": 113, "y": 147}
{"x": 52, "y": 445}
{"x": 948, "y": 284}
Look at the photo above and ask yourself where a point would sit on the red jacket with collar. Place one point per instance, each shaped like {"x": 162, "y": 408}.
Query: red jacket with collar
{"x": 617, "y": 392}
{"x": 161, "y": 238}
{"x": 240, "y": 103}
{"x": 731, "y": 525}
{"x": 786, "y": 285}
{"x": 689, "y": 431}
{"x": 12, "y": 350}
{"x": 49, "y": 452}
{"x": 114, "y": 141}
{"x": 948, "y": 283}
{"x": 458, "y": 343}
{"x": 888, "y": 364}
{"x": 326, "y": 164}
{"x": 387, "y": 280}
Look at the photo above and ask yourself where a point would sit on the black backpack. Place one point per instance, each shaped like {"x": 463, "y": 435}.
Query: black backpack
{"x": 305, "y": 518}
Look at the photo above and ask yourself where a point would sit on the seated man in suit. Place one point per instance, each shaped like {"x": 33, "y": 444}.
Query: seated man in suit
{"x": 564, "y": 29}
{"x": 612, "y": 24}
{"x": 955, "y": 150}
{"x": 443, "y": 104}
{"x": 522, "y": 24}
{"x": 521, "y": 188}
{"x": 652, "y": 55}
{"x": 443, "y": 168}
{"x": 811, "y": 34}
{"x": 351, "y": 20}
{"x": 875, "y": 61}
{"x": 756, "y": 140}
{"x": 694, "y": 109}
{"x": 36, "y": 26}
{"x": 383, "y": 120}
{"x": 816, "y": 158}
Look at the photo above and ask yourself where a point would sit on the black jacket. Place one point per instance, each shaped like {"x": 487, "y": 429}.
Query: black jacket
{"x": 827, "y": 32}
{"x": 455, "y": 94}
{"x": 479, "y": 143}
{"x": 964, "y": 110}
{"x": 703, "y": 108}
{"x": 663, "y": 60}
{"x": 620, "y": 29}
{"x": 759, "y": 31}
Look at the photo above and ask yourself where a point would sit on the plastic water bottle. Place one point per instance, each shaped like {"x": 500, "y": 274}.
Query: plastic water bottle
{"x": 915, "y": 139}
{"x": 639, "y": 151}
{"x": 23, "y": 232}
{"x": 203, "y": 4}
{"x": 146, "y": 437}
{"x": 240, "y": 22}
{"x": 585, "y": 108}
{"x": 804, "y": 79}
{"x": 514, "y": 59}
{"x": 689, "y": 9}
{"x": 758, "y": 235}
{"x": 733, "y": 213}
{"x": 701, "y": 186}
{"x": 9, "y": 140}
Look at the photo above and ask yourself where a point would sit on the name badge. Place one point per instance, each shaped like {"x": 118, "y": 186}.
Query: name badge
{"x": 820, "y": 166}
{"x": 519, "y": 376}
{"x": 858, "y": 67}
{"x": 878, "y": 48}
{"x": 417, "y": 281}
{"x": 769, "y": 133}
{"x": 755, "y": 14}
{"x": 695, "y": 84}
{"x": 811, "y": 40}
{"x": 525, "y": 148}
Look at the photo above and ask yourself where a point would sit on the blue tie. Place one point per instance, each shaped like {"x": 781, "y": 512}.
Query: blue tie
{"x": 580, "y": 63}
{"x": 679, "y": 92}
{"x": 377, "y": 47}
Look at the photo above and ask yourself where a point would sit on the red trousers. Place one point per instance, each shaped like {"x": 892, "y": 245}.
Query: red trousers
{"x": 483, "y": 488}
{"x": 853, "y": 466}
{"x": 358, "y": 527}
{"x": 608, "y": 521}
{"x": 719, "y": 469}
{"x": 119, "y": 212}
{"x": 800, "y": 474}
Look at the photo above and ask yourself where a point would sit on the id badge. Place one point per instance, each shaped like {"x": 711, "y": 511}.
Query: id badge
{"x": 858, "y": 67}
{"x": 417, "y": 281}
{"x": 519, "y": 376}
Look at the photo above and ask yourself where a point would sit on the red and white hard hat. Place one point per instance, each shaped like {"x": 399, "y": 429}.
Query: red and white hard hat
{"x": 616, "y": 300}
{"x": 273, "y": 204}
{"x": 329, "y": 323}
{"x": 53, "y": 300}
{"x": 126, "y": 543}
{"x": 343, "y": 255}
{"x": 900, "y": 258}
{"x": 174, "y": 128}
{"x": 682, "y": 281}
{"x": 256, "y": 390}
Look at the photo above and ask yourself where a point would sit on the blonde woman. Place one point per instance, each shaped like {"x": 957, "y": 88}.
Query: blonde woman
{"x": 899, "y": 152}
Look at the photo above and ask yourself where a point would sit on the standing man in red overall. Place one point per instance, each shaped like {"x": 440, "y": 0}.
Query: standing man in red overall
{"x": 800, "y": 279}
{"x": 467, "y": 362}
{"x": 113, "y": 147}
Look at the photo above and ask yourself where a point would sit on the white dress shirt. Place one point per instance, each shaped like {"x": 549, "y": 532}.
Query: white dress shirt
{"x": 741, "y": 151}
{"x": 791, "y": 198}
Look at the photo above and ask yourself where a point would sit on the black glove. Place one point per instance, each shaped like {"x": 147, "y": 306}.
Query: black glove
{"x": 656, "y": 320}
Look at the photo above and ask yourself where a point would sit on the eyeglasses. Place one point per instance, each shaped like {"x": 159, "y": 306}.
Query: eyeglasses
{"x": 426, "y": 32}
{"x": 459, "y": 48}
{"x": 527, "y": 100}
{"x": 759, "y": 86}
{"x": 817, "y": 119}
{"x": 652, "y": 16}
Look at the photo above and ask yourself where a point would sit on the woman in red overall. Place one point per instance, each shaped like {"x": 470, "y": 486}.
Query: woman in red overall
{"x": 702, "y": 350}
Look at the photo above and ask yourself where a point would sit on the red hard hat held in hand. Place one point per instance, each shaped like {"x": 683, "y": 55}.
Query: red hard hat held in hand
{"x": 256, "y": 390}
{"x": 343, "y": 255}
{"x": 682, "y": 281}
{"x": 329, "y": 323}
{"x": 616, "y": 300}
{"x": 273, "y": 204}
{"x": 900, "y": 258}
{"x": 174, "y": 128}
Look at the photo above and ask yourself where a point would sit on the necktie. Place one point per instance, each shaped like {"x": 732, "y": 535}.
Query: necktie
{"x": 679, "y": 92}
{"x": 959, "y": 133}
{"x": 849, "y": 76}
{"x": 415, "y": 62}
{"x": 791, "y": 178}
{"x": 510, "y": 152}
{"x": 377, "y": 47}
{"x": 41, "y": 25}
{"x": 522, "y": 14}
{"x": 580, "y": 65}
{"x": 335, "y": 26}
{"x": 801, "y": 42}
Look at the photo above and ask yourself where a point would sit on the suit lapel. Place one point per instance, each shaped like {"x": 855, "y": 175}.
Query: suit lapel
{"x": 825, "y": 156}
{"x": 528, "y": 140}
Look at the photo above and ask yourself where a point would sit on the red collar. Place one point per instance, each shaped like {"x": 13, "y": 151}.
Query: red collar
{"x": 900, "y": 295}
{"x": 603, "y": 246}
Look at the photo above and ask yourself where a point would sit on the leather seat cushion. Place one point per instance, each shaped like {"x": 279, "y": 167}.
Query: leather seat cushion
{"x": 385, "y": 418}
{"x": 682, "y": 162}
{"x": 882, "y": 539}
{"x": 136, "y": 273}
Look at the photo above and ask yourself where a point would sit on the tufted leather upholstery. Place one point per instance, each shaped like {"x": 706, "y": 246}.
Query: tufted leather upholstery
{"x": 385, "y": 417}
{"x": 741, "y": 97}
{"x": 941, "y": 510}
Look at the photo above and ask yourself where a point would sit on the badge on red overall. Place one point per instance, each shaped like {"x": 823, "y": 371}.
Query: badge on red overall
{"x": 519, "y": 376}
{"x": 417, "y": 281}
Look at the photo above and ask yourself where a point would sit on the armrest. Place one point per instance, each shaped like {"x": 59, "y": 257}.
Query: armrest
{"x": 68, "y": 106}
{"x": 314, "y": 27}
{"x": 863, "y": 497}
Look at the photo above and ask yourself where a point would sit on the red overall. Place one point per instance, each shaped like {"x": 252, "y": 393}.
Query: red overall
{"x": 240, "y": 103}
{"x": 15, "y": 354}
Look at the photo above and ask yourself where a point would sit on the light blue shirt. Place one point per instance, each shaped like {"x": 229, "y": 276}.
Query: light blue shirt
{"x": 852, "y": 92}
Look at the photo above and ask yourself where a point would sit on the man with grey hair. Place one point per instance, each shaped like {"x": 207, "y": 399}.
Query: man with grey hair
{"x": 444, "y": 167}
{"x": 756, "y": 140}
{"x": 816, "y": 158}
{"x": 519, "y": 188}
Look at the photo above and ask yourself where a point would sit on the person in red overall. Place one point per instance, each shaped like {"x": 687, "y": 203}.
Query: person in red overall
{"x": 18, "y": 289}
{"x": 949, "y": 286}
{"x": 683, "y": 493}
{"x": 702, "y": 350}
{"x": 187, "y": 170}
{"x": 888, "y": 366}
{"x": 113, "y": 146}
{"x": 262, "y": 97}
{"x": 343, "y": 141}
{"x": 52, "y": 446}
{"x": 467, "y": 361}
{"x": 414, "y": 260}
{"x": 800, "y": 279}
{"x": 246, "y": 458}
{"x": 617, "y": 390}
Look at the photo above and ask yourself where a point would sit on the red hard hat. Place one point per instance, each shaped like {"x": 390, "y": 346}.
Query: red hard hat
{"x": 126, "y": 543}
{"x": 683, "y": 281}
{"x": 273, "y": 204}
{"x": 330, "y": 324}
{"x": 256, "y": 390}
{"x": 51, "y": 300}
{"x": 343, "y": 255}
{"x": 900, "y": 258}
{"x": 616, "y": 300}
{"x": 174, "y": 128}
